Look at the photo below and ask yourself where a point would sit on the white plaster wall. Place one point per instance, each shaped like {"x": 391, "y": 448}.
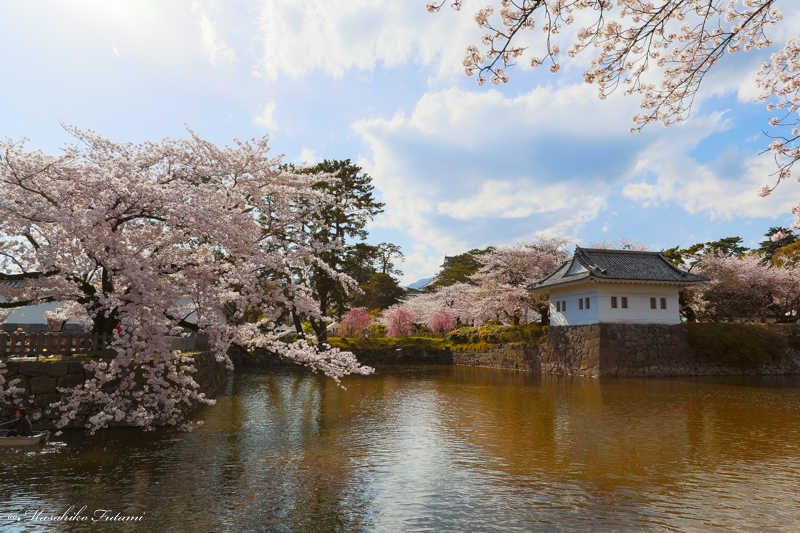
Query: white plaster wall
{"x": 32, "y": 314}
{"x": 638, "y": 311}
{"x": 574, "y": 316}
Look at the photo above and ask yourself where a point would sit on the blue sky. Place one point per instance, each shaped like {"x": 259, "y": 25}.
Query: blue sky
{"x": 381, "y": 83}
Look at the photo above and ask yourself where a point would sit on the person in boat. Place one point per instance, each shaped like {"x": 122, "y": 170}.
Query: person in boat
{"x": 24, "y": 428}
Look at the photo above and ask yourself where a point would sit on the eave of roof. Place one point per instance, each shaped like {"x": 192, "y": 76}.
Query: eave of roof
{"x": 604, "y": 266}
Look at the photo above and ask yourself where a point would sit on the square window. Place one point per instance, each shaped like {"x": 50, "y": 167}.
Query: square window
{"x": 652, "y": 303}
{"x": 614, "y": 302}
{"x": 624, "y": 302}
{"x": 663, "y": 303}
{"x": 580, "y": 303}
{"x": 587, "y": 303}
{"x": 558, "y": 306}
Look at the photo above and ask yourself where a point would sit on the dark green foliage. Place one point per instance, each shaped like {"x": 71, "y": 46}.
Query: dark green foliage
{"x": 381, "y": 292}
{"x": 729, "y": 246}
{"x": 768, "y": 247}
{"x": 459, "y": 269}
{"x": 533, "y": 333}
{"x": 741, "y": 345}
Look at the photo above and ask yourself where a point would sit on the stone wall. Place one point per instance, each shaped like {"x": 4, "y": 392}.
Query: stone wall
{"x": 369, "y": 357}
{"x": 634, "y": 350}
{"x": 509, "y": 356}
{"x": 40, "y": 381}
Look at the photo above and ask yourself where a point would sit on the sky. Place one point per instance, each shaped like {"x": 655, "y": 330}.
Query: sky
{"x": 459, "y": 166}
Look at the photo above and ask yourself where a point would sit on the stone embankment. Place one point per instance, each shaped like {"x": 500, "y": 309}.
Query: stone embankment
{"x": 369, "y": 357}
{"x": 507, "y": 356}
{"x": 598, "y": 350}
{"x": 639, "y": 350}
{"x": 40, "y": 381}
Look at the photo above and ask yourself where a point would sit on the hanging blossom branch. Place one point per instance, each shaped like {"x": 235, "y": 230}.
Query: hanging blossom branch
{"x": 681, "y": 39}
{"x": 684, "y": 38}
{"x": 780, "y": 79}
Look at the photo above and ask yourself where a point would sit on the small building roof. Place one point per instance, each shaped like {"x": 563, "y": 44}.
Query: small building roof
{"x": 591, "y": 264}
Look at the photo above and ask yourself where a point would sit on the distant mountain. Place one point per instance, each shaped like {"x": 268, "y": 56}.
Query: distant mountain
{"x": 420, "y": 283}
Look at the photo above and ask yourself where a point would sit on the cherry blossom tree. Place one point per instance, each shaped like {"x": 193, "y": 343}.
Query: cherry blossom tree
{"x": 400, "y": 322}
{"x": 355, "y": 322}
{"x": 457, "y": 299}
{"x": 680, "y": 39}
{"x": 746, "y": 288}
{"x": 128, "y": 234}
{"x": 506, "y": 272}
{"x": 442, "y": 321}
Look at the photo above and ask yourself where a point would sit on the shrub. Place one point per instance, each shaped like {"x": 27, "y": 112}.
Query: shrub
{"x": 533, "y": 333}
{"x": 741, "y": 345}
{"x": 355, "y": 322}
{"x": 400, "y": 322}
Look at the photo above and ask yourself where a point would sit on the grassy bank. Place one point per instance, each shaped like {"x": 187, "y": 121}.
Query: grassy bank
{"x": 741, "y": 345}
{"x": 378, "y": 343}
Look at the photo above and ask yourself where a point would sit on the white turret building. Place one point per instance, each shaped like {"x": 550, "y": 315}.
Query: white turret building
{"x": 615, "y": 286}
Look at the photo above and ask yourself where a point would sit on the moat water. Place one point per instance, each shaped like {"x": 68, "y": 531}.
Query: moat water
{"x": 433, "y": 449}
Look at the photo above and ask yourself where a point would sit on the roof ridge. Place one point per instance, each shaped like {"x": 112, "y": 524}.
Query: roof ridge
{"x": 605, "y": 250}
{"x": 664, "y": 257}
{"x": 584, "y": 259}
{"x": 556, "y": 271}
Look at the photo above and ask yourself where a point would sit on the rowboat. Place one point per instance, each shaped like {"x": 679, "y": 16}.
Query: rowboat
{"x": 39, "y": 437}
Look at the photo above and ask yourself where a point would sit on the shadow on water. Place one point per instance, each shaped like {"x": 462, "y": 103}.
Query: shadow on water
{"x": 436, "y": 449}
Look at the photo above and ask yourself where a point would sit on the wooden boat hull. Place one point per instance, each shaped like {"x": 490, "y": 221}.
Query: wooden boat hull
{"x": 39, "y": 437}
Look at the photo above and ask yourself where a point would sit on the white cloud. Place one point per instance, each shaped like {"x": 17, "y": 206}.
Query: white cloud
{"x": 725, "y": 188}
{"x": 266, "y": 116}
{"x": 467, "y": 169}
{"x": 334, "y": 36}
{"x": 307, "y": 157}
{"x": 213, "y": 44}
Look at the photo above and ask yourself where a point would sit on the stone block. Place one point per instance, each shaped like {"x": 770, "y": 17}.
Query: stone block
{"x": 44, "y": 400}
{"x": 641, "y": 356}
{"x": 34, "y": 368}
{"x": 75, "y": 367}
{"x": 58, "y": 369}
{"x": 42, "y": 384}
{"x": 71, "y": 381}
{"x": 12, "y": 367}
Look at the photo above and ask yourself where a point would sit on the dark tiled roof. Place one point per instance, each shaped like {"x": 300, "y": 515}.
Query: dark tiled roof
{"x": 616, "y": 265}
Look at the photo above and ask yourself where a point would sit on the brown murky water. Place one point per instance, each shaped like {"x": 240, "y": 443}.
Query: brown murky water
{"x": 435, "y": 449}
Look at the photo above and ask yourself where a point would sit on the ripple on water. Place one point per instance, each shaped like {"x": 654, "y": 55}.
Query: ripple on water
{"x": 443, "y": 449}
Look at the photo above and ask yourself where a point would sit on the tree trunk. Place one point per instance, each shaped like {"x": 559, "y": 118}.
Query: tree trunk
{"x": 298, "y": 326}
{"x": 321, "y": 329}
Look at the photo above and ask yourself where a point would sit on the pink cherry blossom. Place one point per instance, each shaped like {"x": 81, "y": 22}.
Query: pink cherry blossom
{"x": 153, "y": 239}
{"x": 355, "y": 322}
{"x": 400, "y": 322}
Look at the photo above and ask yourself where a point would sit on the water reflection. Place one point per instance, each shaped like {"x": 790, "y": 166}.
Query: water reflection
{"x": 439, "y": 449}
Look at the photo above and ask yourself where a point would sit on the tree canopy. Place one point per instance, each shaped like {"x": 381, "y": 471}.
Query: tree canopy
{"x": 139, "y": 237}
